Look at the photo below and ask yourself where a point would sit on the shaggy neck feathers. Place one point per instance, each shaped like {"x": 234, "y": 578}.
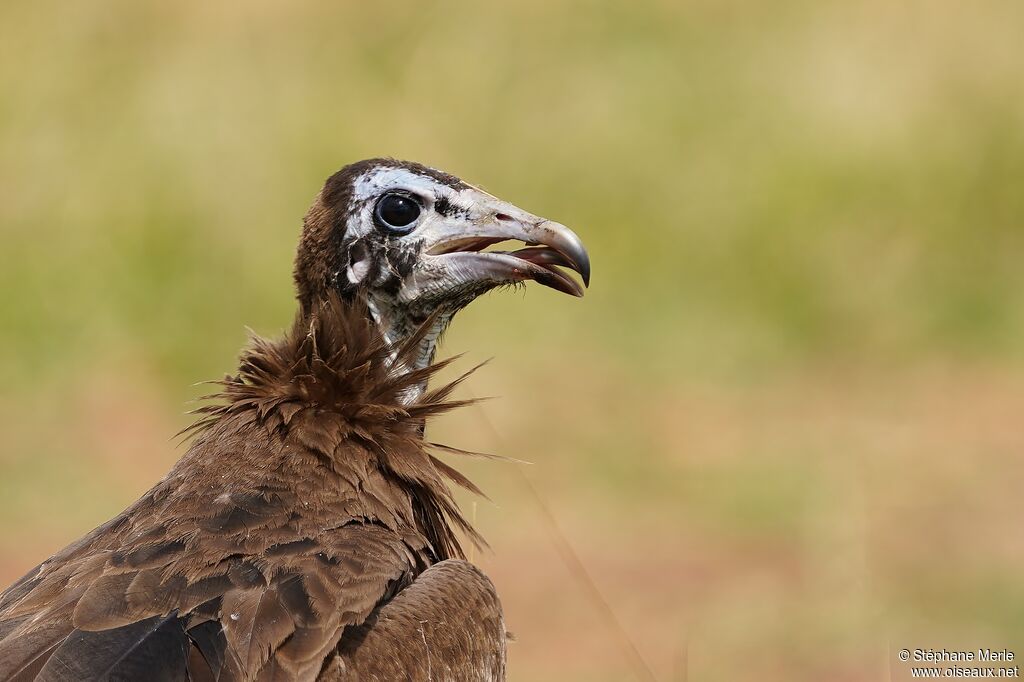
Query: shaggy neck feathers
{"x": 337, "y": 387}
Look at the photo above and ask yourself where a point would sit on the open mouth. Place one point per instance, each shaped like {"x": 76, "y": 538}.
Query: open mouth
{"x": 542, "y": 260}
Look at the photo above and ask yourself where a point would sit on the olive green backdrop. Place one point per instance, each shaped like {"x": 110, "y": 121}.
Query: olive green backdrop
{"x": 783, "y": 430}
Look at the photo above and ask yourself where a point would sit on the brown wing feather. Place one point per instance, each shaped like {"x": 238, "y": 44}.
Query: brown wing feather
{"x": 307, "y": 500}
{"x": 447, "y": 625}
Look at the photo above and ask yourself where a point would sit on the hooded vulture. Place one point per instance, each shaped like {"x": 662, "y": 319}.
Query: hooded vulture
{"x": 309, "y": 532}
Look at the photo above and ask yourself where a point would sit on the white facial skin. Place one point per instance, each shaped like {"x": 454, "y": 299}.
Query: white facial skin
{"x": 435, "y": 263}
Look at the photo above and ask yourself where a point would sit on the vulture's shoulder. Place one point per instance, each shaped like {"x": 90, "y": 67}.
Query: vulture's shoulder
{"x": 447, "y": 625}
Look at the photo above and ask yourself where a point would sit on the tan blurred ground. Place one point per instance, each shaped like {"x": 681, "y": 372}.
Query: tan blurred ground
{"x": 783, "y": 429}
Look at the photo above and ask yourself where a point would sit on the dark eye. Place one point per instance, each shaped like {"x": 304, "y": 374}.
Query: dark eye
{"x": 396, "y": 212}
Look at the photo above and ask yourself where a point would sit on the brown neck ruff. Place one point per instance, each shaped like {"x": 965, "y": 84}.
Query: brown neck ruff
{"x": 335, "y": 390}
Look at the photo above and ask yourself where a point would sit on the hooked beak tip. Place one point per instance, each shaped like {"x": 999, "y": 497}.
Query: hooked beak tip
{"x": 563, "y": 240}
{"x": 585, "y": 270}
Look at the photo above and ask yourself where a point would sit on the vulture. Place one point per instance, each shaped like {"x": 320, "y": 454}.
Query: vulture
{"x": 309, "y": 532}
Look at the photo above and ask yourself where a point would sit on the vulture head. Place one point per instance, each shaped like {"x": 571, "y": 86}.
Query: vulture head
{"x": 414, "y": 242}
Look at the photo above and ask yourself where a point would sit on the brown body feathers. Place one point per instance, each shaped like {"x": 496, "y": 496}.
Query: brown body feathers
{"x": 304, "y": 531}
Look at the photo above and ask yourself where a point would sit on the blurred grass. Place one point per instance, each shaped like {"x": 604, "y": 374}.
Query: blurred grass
{"x": 796, "y": 375}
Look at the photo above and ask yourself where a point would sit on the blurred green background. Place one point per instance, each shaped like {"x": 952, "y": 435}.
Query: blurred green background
{"x": 783, "y": 429}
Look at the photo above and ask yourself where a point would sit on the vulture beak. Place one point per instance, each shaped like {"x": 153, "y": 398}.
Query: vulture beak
{"x": 454, "y": 250}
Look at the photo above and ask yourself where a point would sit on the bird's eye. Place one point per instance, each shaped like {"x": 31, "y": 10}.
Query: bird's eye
{"x": 396, "y": 212}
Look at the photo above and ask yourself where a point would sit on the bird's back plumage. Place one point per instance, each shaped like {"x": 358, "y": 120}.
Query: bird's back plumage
{"x": 306, "y": 502}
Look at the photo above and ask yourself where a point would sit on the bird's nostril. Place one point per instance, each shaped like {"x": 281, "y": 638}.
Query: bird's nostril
{"x": 503, "y": 217}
